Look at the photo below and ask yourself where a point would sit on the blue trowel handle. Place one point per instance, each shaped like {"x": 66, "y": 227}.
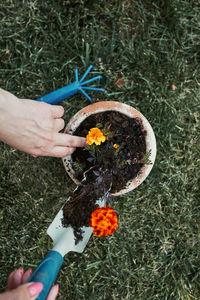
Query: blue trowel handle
{"x": 60, "y": 94}
{"x": 46, "y": 272}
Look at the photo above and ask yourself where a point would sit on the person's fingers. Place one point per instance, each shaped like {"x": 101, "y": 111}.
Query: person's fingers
{"x": 63, "y": 139}
{"x": 53, "y": 292}
{"x": 15, "y": 279}
{"x": 57, "y": 111}
{"x": 61, "y": 151}
{"x": 26, "y": 275}
{"x": 59, "y": 124}
{"x": 10, "y": 280}
{"x": 28, "y": 291}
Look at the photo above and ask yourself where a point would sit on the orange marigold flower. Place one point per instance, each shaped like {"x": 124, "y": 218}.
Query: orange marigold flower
{"x": 95, "y": 135}
{"x": 115, "y": 146}
{"x": 104, "y": 221}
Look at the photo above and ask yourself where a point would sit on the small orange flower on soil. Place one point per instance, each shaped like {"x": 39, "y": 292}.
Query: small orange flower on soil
{"x": 104, "y": 221}
{"x": 116, "y": 146}
{"x": 95, "y": 135}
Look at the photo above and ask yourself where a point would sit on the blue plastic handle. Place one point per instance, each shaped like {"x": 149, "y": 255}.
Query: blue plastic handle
{"x": 46, "y": 272}
{"x": 60, "y": 94}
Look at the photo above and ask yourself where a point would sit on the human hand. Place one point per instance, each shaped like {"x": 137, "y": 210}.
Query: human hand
{"x": 33, "y": 127}
{"x": 18, "y": 289}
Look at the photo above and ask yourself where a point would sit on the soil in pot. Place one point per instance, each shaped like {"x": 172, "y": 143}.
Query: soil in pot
{"x": 106, "y": 168}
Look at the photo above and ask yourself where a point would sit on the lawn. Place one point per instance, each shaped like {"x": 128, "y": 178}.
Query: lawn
{"x": 155, "y": 47}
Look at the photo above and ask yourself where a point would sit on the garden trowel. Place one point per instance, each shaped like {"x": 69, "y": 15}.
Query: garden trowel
{"x": 63, "y": 242}
{"x": 63, "y": 238}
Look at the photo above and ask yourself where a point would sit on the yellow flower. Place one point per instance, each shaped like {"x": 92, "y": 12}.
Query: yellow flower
{"x": 95, "y": 135}
{"x": 115, "y": 146}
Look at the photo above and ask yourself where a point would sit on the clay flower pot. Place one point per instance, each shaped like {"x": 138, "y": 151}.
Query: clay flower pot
{"x": 130, "y": 112}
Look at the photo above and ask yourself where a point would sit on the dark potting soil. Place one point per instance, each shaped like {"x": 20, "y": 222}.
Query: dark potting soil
{"x": 78, "y": 209}
{"x": 105, "y": 170}
{"x": 128, "y": 133}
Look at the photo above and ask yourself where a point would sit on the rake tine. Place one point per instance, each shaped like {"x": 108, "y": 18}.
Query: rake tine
{"x": 86, "y": 73}
{"x": 85, "y": 94}
{"x": 76, "y": 74}
{"x": 91, "y": 80}
{"x": 94, "y": 89}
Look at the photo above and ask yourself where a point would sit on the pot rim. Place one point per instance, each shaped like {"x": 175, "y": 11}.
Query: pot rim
{"x": 127, "y": 110}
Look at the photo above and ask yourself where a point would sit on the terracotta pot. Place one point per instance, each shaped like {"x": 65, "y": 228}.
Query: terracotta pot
{"x": 127, "y": 110}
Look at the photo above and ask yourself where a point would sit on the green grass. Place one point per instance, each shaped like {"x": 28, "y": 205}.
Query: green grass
{"x": 151, "y": 44}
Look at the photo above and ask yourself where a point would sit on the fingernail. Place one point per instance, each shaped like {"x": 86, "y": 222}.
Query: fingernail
{"x": 57, "y": 289}
{"x": 33, "y": 155}
{"x": 18, "y": 275}
{"x": 86, "y": 144}
{"x": 21, "y": 271}
{"x": 35, "y": 289}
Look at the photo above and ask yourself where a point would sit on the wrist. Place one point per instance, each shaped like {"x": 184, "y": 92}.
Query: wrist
{"x": 6, "y": 98}
{"x": 7, "y": 110}
{"x": 2, "y": 99}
